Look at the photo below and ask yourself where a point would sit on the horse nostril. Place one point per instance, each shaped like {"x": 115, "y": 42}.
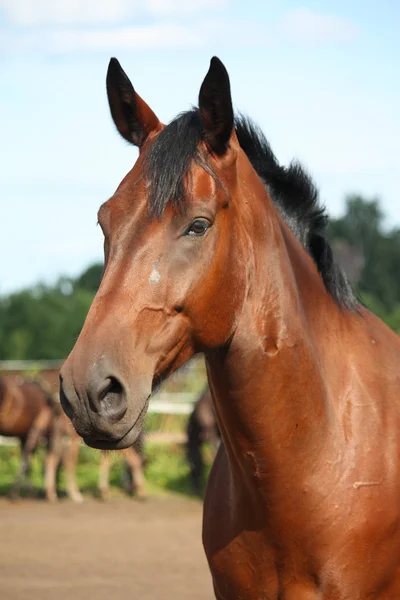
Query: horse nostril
{"x": 111, "y": 399}
{"x": 110, "y": 387}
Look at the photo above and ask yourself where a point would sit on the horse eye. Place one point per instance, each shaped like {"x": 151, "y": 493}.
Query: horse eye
{"x": 198, "y": 227}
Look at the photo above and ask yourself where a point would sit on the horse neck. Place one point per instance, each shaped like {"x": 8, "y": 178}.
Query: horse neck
{"x": 267, "y": 386}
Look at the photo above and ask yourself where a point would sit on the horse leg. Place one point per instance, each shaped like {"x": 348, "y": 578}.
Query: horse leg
{"x": 51, "y": 463}
{"x": 28, "y": 446}
{"x": 35, "y": 435}
{"x": 70, "y": 461}
{"x": 28, "y": 481}
{"x": 58, "y": 475}
{"x": 15, "y": 491}
{"x": 104, "y": 474}
{"x": 53, "y": 458}
{"x": 193, "y": 454}
{"x": 126, "y": 478}
{"x": 215, "y": 441}
{"x": 137, "y": 481}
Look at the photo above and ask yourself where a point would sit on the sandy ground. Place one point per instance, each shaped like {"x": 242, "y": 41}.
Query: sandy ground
{"x": 123, "y": 549}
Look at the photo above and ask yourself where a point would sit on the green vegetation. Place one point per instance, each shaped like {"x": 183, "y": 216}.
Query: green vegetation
{"x": 165, "y": 423}
{"x": 166, "y": 467}
{"x": 166, "y": 470}
{"x": 371, "y": 256}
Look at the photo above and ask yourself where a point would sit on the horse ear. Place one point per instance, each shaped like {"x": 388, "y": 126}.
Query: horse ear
{"x": 215, "y": 105}
{"x": 132, "y": 117}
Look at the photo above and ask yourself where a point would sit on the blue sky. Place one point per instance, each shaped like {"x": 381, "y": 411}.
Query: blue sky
{"x": 320, "y": 78}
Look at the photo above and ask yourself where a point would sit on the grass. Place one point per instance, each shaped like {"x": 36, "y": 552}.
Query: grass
{"x": 166, "y": 471}
{"x": 165, "y": 423}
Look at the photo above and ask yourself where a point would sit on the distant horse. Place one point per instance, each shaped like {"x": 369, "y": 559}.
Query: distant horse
{"x": 20, "y": 405}
{"x": 63, "y": 448}
{"x": 133, "y": 477}
{"x": 28, "y": 411}
{"x": 31, "y": 413}
{"x": 202, "y": 428}
{"x": 212, "y": 246}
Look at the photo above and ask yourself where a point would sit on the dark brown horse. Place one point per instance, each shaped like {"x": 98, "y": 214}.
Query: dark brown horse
{"x": 20, "y": 403}
{"x": 202, "y": 428}
{"x": 20, "y": 406}
{"x": 211, "y": 246}
{"x": 28, "y": 411}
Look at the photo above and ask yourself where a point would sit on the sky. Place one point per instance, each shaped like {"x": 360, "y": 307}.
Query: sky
{"x": 320, "y": 78}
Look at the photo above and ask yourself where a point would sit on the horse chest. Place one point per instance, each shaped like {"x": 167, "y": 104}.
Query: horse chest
{"x": 247, "y": 576}
{"x": 351, "y": 555}
{"x": 242, "y": 573}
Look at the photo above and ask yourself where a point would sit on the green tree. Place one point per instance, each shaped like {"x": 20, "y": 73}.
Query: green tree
{"x": 90, "y": 278}
{"x": 362, "y": 228}
{"x": 42, "y": 322}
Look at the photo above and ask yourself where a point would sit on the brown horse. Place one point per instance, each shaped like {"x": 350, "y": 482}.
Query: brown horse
{"x": 28, "y": 411}
{"x": 211, "y": 246}
{"x": 202, "y": 427}
{"x": 63, "y": 449}
{"x": 20, "y": 406}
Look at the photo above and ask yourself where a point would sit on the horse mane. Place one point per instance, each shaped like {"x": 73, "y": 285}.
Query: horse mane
{"x": 292, "y": 190}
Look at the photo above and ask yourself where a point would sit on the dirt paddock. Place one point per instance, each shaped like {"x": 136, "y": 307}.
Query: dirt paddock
{"x": 124, "y": 550}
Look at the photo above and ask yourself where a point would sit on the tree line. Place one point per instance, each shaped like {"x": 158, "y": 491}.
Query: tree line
{"x": 43, "y": 322}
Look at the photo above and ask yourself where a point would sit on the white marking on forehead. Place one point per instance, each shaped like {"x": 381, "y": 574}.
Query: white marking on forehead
{"x": 155, "y": 276}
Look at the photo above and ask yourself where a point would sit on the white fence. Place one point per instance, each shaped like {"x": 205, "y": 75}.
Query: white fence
{"x": 30, "y": 365}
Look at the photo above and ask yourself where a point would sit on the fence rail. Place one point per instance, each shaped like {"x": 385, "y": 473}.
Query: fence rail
{"x": 181, "y": 405}
{"x": 165, "y": 402}
{"x": 30, "y": 365}
{"x": 189, "y": 378}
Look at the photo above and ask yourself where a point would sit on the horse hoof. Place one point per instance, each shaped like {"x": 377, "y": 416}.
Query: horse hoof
{"x": 77, "y": 498}
{"x": 141, "y": 497}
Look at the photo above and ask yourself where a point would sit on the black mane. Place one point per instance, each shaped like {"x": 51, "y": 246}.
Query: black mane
{"x": 291, "y": 189}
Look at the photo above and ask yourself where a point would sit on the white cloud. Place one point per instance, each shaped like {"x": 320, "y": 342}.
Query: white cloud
{"x": 159, "y": 36}
{"x": 63, "y": 26}
{"x": 28, "y": 13}
{"x": 178, "y": 7}
{"x": 305, "y": 25}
